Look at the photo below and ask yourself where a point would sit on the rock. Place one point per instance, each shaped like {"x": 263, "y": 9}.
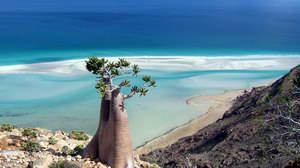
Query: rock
{"x": 78, "y": 157}
{"x": 100, "y": 165}
{"x": 42, "y": 162}
{"x": 43, "y": 144}
{"x": 69, "y": 158}
{"x": 17, "y": 144}
{"x": 6, "y": 153}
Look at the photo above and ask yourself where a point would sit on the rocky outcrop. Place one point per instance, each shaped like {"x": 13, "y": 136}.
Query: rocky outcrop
{"x": 48, "y": 148}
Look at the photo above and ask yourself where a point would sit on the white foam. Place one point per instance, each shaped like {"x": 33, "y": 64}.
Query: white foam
{"x": 250, "y": 62}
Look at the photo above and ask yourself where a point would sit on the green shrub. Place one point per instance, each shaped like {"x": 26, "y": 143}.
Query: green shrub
{"x": 154, "y": 166}
{"x": 64, "y": 164}
{"x": 30, "y": 132}
{"x": 67, "y": 151}
{"x": 78, "y": 149}
{"x": 7, "y": 127}
{"x": 31, "y": 146}
{"x": 52, "y": 141}
{"x": 78, "y": 135}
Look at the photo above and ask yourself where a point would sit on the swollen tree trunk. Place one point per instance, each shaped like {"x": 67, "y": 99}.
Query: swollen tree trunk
{"x": 112, "y": 142}
{"x": 122, "y": 153}
{"x": 92, "y": 149}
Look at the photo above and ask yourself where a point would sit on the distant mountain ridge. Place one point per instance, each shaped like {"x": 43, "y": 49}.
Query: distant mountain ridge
{"x": 260, "y": 130}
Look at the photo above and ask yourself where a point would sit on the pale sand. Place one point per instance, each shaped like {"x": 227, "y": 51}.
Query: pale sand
{"x": 169, "y": 63}
{"x": 220, "y": 104}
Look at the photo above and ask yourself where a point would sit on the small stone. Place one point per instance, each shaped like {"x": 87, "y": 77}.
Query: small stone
{"x": 69, "y": 158}
{"x": 78, "y": 157}
{"x": 43, "y": 145}
{"x": 4, "y": 156}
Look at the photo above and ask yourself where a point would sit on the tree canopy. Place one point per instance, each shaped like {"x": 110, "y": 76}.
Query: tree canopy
{"x": 106, "y": 71}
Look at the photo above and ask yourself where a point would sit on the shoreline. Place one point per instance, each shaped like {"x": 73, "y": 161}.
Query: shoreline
{"x": 221, "y": 103}
{"x": 170, "y": 63}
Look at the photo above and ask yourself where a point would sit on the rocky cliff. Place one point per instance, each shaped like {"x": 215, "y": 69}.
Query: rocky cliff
{"x": 261, "y": 129}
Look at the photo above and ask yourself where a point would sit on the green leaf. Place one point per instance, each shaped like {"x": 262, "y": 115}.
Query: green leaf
{"x": 153, "y": 83}
{"x": 135, "y": 69}
{"x": 95, "y": 64}
{"x": 111, "y": 65}
{"x": 135, "y": 89}
{"x": 101, "y": 87}
{"x": 125, "y": 83}
{"x": 143, "y": 91}
{"x": 146, "y": 78}
{"x": 123, "y": 63}
{"x": 115, "y": 72}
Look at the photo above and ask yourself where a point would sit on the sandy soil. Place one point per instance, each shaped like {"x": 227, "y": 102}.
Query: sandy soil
{"x": 221, "y": 103}
{"x": 250, "y": 62}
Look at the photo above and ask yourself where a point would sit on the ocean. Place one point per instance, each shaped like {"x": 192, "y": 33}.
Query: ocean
{"x": 39, "y": 31}
{"x": 54, "y": 31}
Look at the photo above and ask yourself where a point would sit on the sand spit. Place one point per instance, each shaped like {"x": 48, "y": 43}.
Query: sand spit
{"x": 221, "y": 103}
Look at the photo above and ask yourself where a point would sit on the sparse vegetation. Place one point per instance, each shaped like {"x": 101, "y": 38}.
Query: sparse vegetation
{"x": 78, "y": 135}
{"x": 7, "y": 127}
{"x": 284, "y": 118}
{"x": 264, "y": 99}
{"x": 73, "y": 152}
{"x": 64, "y": 164}
{"x": 67, "y": 151}
{"x": 30, "y": 132}
{"x": 31, "y": 146}
{"x": 154, "y": 166}
{"x": 78, "y": 149}
{"x": 52, "y": 141}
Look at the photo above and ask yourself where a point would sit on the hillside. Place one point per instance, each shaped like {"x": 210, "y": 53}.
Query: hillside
{"x": 42, "y": 148}
{"x": 261, "y": 129}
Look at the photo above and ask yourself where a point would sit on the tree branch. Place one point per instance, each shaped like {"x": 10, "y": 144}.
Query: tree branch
{"x": 131, "y": 94}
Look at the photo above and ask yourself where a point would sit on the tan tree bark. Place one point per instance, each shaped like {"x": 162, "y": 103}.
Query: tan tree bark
{"x": 112, "y": 141}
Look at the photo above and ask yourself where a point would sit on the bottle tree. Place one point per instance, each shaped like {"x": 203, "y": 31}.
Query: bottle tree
{"x": 112, "y": 141}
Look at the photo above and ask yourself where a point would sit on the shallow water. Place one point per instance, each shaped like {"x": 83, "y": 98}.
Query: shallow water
{"x": 41, "y": 31}
{"x": 63, "y": 102}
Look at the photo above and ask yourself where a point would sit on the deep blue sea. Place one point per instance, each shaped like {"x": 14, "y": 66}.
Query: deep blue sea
{"x": 39, "y": 31}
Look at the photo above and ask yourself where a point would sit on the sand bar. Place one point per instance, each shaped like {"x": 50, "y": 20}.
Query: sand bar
{"x": 171, "y": 63}
{"x": 221, "y": 103}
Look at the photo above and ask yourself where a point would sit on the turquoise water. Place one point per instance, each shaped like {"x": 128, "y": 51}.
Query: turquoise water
{"x": 53, "y": 30}
{"x": 70, "y": 102}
